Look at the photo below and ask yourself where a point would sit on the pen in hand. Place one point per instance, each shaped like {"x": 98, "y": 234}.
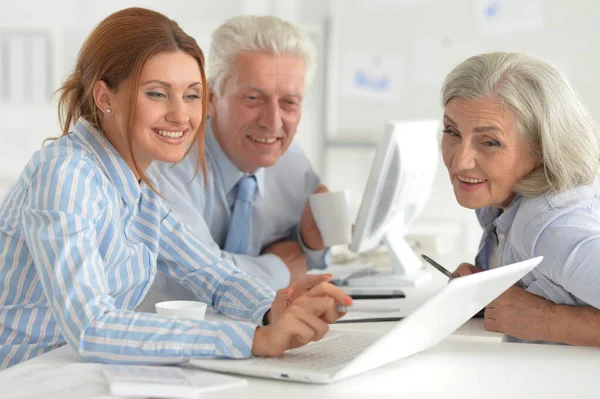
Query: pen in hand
{"x": 439, "y": 267}
{"x": 450, "y": 275}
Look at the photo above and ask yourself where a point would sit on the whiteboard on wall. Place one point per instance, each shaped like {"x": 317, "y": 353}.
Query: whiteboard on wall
{"x": 388, "y": 59}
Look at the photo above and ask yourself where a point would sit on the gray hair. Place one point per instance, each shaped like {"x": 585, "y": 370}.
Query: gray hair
{"x": 565, "y": 137}
{"x": 250, "y": 33}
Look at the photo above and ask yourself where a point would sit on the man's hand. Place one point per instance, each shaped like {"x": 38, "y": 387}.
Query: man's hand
{"x": 310, "y": 234}
{"x": 300, "y": 314}
{"x": 518, "y": 313}
{"x": 464, "y": 269}
{"x": 291, "y": 254}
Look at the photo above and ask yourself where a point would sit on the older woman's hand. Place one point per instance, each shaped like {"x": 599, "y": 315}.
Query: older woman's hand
{"x": 518, "y": 313}
{"x": 465, "y": 269}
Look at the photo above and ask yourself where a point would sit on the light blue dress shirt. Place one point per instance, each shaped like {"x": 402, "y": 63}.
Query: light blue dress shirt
{"x": 283, "y": 190}
{"x": 80, "y": 243}
{"x": 564, "y": 228}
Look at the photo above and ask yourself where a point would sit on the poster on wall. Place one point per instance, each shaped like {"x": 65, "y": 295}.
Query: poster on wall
{"x": 501, "y": 17}
{"x": 372, "y": 77}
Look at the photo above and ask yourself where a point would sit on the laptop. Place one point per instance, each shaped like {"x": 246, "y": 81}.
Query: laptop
{"x": 342, "y": 354}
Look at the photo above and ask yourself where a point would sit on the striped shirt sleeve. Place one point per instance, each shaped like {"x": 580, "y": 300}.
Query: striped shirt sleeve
{"x": 215, "y": 280}
{"x": 63, "y": 204}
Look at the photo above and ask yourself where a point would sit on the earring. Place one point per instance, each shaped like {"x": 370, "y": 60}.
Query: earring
{"x": 108, "y": 111}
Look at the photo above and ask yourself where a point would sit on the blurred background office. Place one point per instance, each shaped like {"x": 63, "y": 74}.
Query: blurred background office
{"x": 379, "y": 60}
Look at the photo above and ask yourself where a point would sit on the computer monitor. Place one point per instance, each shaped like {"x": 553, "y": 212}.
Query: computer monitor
{"x": 399, "y": 185}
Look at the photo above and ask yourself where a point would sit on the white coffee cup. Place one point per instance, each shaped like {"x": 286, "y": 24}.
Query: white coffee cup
{"x": 331, "y": 211}
{"x": 185, "y": 309}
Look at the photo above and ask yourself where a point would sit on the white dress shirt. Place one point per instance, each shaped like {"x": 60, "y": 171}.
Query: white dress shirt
{"x": 283, "y": 190}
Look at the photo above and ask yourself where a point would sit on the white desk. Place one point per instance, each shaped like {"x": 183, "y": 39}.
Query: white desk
{"x": 472, "y": 363}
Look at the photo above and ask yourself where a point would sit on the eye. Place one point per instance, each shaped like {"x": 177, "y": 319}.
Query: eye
{"x": 491, "y": 143}
{"x": 450, "y": 132}
{"x": 252, "y": 99}
{"x": 193, "y": 97}
{"x": 155, "y": 94}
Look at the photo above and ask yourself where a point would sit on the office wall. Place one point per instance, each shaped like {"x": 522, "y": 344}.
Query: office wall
{"x": 420, "y": 39}
{"x": 39, "y": 41}
{"x": 409, "y": 46}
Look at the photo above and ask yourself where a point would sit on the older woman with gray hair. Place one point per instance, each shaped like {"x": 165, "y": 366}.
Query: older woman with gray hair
{"x": 522, "y": 150}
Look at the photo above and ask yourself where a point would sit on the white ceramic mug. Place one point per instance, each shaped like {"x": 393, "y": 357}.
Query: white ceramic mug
{"x": 186, "y": 309}
{"x": 331, "y": 211}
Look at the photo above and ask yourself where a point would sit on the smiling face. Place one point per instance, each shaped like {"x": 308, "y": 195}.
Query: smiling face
{"x": 484, "y": 152}
{"x": 167, "y": 114}
{"x": 256, "y": 117}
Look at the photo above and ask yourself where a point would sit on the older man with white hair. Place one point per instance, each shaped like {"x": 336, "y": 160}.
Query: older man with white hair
{"x": 253, "y": 200}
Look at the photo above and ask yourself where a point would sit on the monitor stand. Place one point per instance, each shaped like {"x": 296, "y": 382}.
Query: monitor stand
{"x": 407, "y": 268}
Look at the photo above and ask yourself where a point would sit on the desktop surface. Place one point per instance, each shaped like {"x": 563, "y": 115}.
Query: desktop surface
{"x": 471, "y": 363}
{"x": 465, "y": 365}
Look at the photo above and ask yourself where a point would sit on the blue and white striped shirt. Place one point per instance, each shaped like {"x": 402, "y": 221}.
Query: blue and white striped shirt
{"x": 80, "y": 243}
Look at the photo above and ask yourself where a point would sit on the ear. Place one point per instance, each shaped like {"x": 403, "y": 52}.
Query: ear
{"x": 103, "y": 97}
{"x": 538, "y": 163}
{"x": 537, "y": 155}
{"x": 212, "y": 103}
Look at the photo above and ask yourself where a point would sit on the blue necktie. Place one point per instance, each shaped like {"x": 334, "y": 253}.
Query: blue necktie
{"x": 238, "y": 235}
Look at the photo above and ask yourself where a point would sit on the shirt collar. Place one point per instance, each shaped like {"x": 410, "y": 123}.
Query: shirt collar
{"x": 503, "y": 220}
{"x": 109, "y": 159}
{"x": 506, "y": 219}
{"x": 230, "y": 174}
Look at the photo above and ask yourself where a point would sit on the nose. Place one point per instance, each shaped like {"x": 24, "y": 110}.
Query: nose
{"x": 270, "y": 117}
{"x": 465, "y": 157}
{"x": 177, "y": 112}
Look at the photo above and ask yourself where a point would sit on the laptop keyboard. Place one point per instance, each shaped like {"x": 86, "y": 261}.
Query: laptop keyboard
{"x": 335, "y": 349}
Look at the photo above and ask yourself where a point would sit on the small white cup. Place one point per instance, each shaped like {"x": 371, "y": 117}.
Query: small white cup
{"x": 186, "y": 309}
{"x": 331, "y": 211}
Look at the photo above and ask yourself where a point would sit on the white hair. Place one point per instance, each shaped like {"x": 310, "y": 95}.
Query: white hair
{"x": 250, "y": 33}
{"x": 565, "y": 137}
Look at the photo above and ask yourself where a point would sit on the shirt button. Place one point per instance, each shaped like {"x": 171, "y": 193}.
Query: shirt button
{"x": 501, "y": 236}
